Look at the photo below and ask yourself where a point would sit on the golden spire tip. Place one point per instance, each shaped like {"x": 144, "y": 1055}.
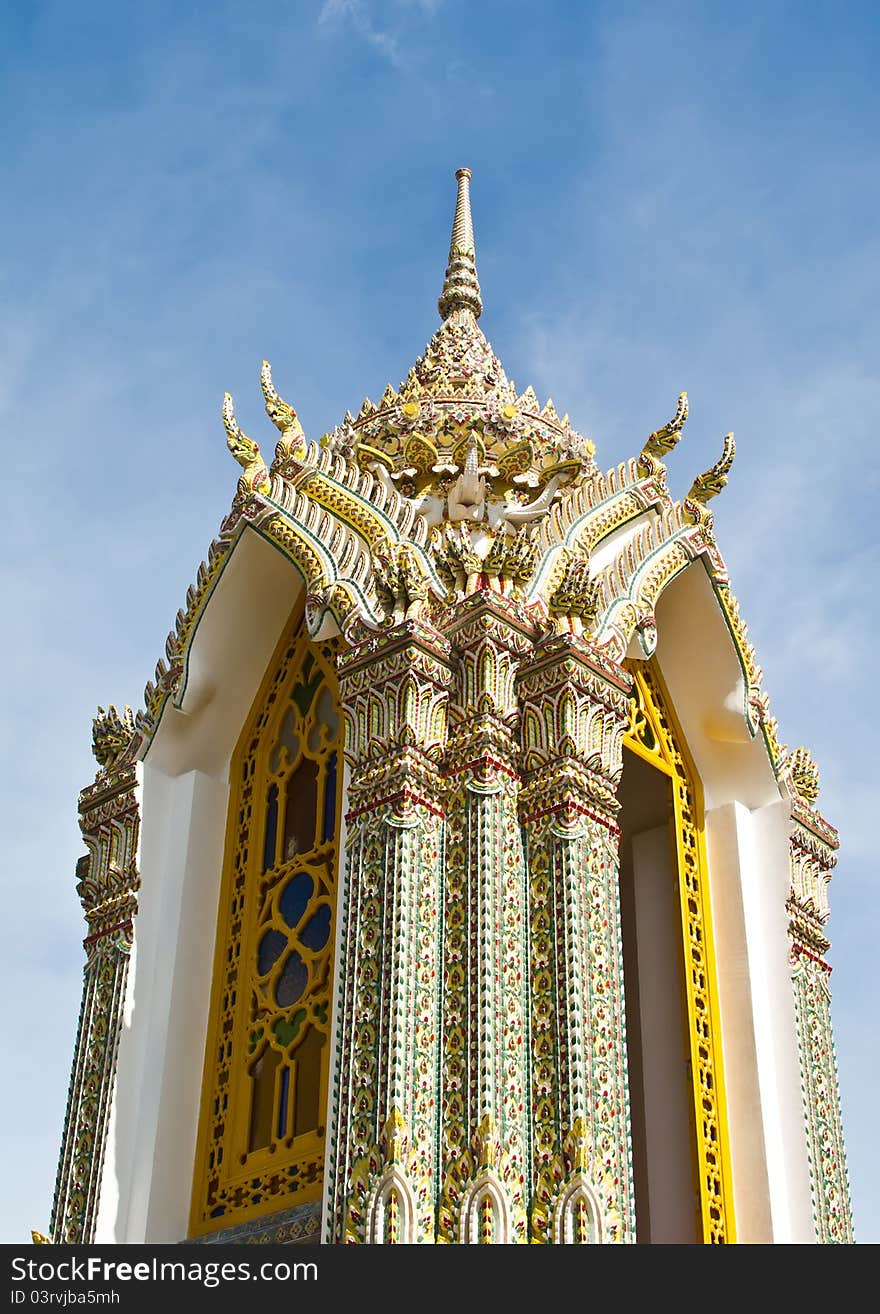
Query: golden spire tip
{"x": 461, "y": 288}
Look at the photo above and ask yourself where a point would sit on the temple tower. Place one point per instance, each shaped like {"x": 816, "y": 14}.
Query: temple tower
{"x": 419, "y": 889}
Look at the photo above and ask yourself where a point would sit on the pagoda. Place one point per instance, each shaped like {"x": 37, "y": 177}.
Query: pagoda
{"x": 452, "y": 884}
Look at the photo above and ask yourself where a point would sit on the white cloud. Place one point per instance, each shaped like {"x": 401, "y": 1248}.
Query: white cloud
{"x": 388, "y": 28}
{"x": 357, "y": 14}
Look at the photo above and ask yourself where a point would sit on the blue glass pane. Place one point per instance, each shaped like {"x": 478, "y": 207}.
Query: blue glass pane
{"x": 297, "y": 893}
{"x": 316, "y": 930}
{"x": 271, "y": 945}
{"x": 292, "y": 981}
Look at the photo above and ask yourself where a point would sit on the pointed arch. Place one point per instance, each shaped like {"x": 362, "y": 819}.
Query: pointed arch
{"x": 264, "y": 1095}
{"x": 577, "y": 1219}
{"x": 485, "y": 1212}
{"x": 391, "y": 1212}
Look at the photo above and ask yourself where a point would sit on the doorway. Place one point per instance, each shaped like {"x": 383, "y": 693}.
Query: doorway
{"x": 658, "y": 1045}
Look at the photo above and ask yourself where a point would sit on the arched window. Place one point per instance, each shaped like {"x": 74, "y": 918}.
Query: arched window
{"x": 262, "y": 1130}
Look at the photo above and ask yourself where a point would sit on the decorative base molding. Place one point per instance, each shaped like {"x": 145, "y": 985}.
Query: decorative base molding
{"x": 299, "y": 1226}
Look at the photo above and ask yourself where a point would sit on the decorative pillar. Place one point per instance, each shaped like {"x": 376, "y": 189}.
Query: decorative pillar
{"x": 813, "y": 846}
{"x": 393, "y": 689}
{"x": 107, "y": 883}
{"x": 574, "y": 708}
{"x": 485, "y": 1116}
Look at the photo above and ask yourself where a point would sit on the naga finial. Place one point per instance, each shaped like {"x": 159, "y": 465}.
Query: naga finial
{"x": 663, "y": 440}
{"x": 710, "y": 483}
{"x": 293, "y": 440}
{"x": 461, "y": 288}
{"x": 256, "y": 476}
{"x": 576, "y": 598}
{"x": 803, "y": 774}
{"x": 111, "y": 734}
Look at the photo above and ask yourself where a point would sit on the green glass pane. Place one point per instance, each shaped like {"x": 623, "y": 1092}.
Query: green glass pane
{"x": 286, "y": 1031}
{"x": 304, "y": 690}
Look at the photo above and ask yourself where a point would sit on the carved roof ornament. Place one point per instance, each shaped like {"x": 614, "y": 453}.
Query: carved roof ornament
{"x": 455, "y": 439}
{"x": 255, "y": 478}
{"x": 293, "y": 440}
{"x": 662, "y": 441}
{"x": 111, "y": 734}
{"x": 577, "y": 597}
{"x": 803, "y": 774}
{"x": 709, "y": 484}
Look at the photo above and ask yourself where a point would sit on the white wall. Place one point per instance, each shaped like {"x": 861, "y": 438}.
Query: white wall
{"x": 748, "y": 858}
{"x": 162, "y": 1046}
{"x": 726, "y": 835}
{"x": 148, "y": 1171}
{"x": 765, "y": 890}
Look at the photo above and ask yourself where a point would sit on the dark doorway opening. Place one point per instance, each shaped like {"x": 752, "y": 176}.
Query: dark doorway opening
{"x": 658, "y": 1051}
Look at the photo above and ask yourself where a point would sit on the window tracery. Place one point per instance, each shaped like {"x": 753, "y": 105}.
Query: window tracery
{"x": 265, "y": 1090}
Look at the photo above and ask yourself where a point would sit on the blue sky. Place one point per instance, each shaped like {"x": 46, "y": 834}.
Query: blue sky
{"x": 666, "y": 197}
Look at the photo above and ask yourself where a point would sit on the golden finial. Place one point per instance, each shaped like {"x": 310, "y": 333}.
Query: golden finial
{"x": 804, "y": 775}
{"x": 256, "y": 476}
{"x": 663, "y": 440}
{"x": 461, "y": 289}
{"x": 710, "y": 483}
{"x": 292, "y": 441}
{"x": 111, "y": 734}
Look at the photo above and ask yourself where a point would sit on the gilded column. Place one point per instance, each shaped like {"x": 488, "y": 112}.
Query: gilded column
{"x": 107, "y": 883}
{"x": 574, "y": 706}
{"x": 393, "y": 688}
{"x": 813, "y": 846}
{"x": 485, "y": 1124}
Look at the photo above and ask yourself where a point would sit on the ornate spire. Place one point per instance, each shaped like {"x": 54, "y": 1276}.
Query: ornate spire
{"x": 461, "y": 289}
